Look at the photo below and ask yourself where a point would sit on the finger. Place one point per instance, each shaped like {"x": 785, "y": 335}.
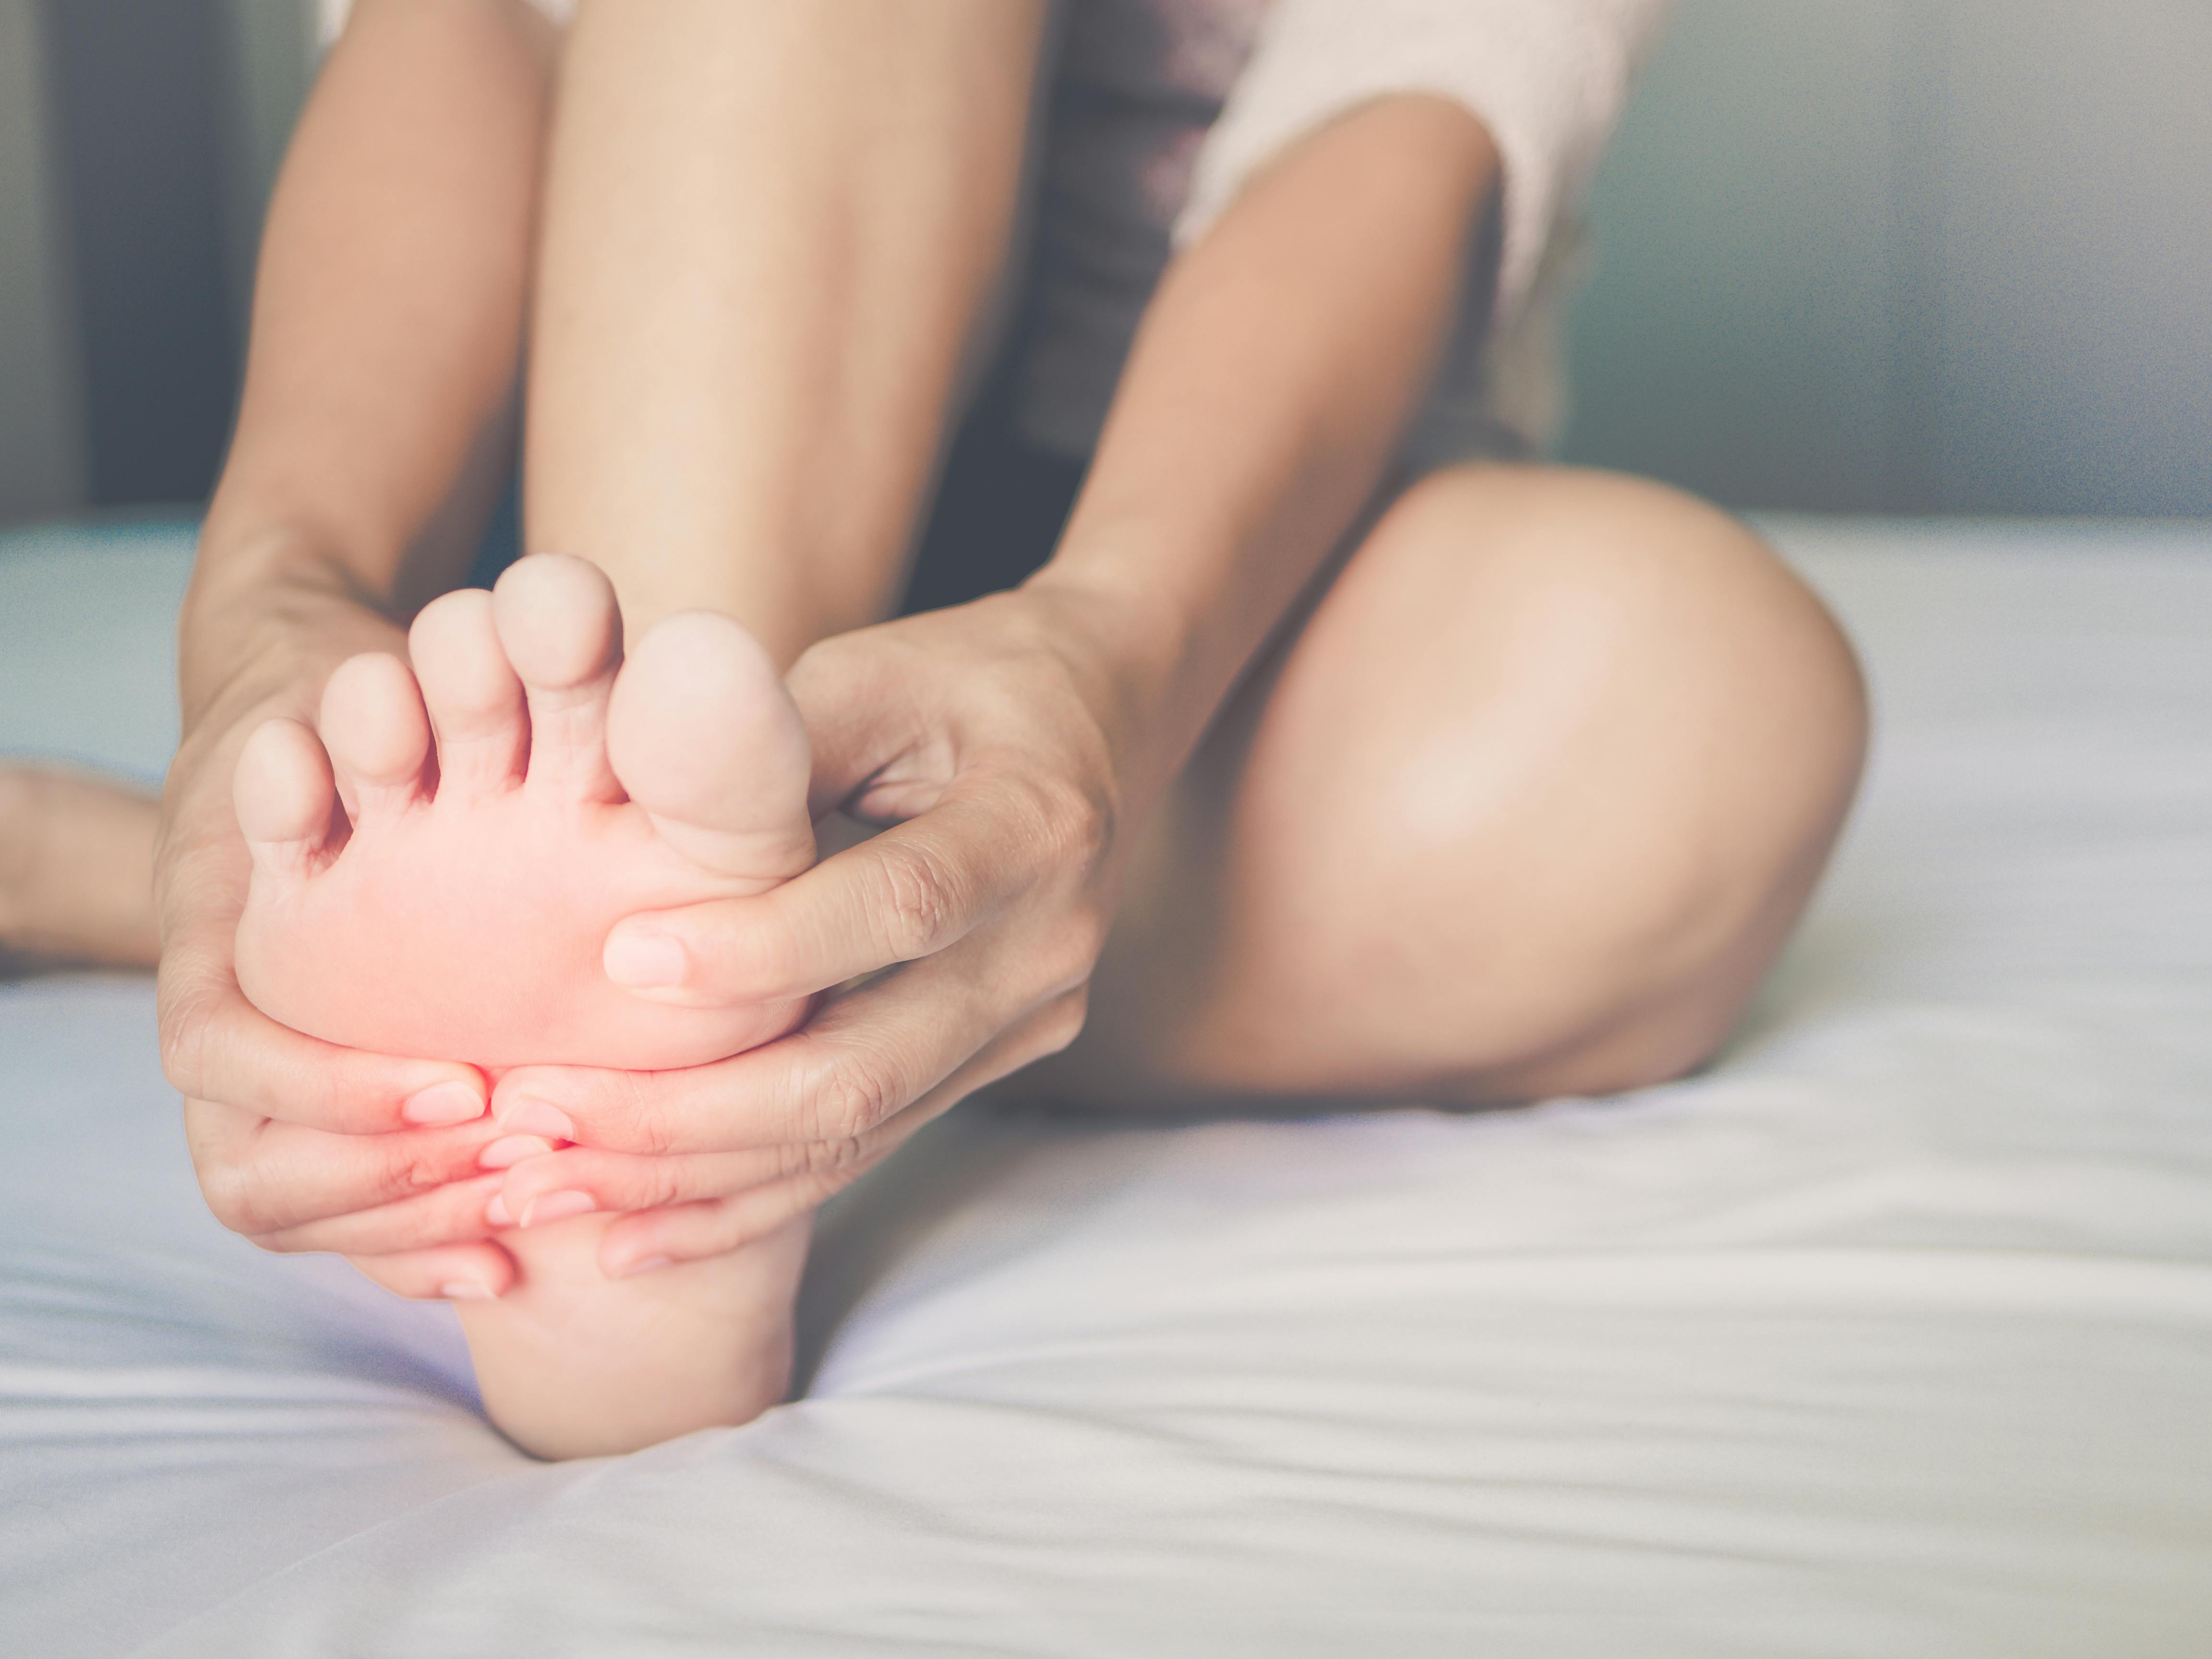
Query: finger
{"x": 906, "y": 894}
{"x": 866, "y": 1055}
{"x": 464, "y": 1272}
{"x": 621, "y": 1181}
{"x": 262, "y": 1176}
{"x": 693, "y": 1232}
{"x": 689, "y": 1231}
{"x": 859, "y": 719}
{"x": 217, "y": 1046}
{"x": 453, "y": 1214}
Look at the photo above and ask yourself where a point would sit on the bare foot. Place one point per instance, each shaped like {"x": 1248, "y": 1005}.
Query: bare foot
{"x": 76, "y": 870}
{"x": 457, "y": 906}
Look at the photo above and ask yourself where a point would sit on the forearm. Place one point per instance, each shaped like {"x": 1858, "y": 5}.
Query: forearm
{"x": 770, "y": 232}
{"x": 1275, "y": 372}
{"x": 387, "y": 328}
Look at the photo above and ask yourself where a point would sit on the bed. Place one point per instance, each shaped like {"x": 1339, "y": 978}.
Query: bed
{"x": 1891, "y": 1333}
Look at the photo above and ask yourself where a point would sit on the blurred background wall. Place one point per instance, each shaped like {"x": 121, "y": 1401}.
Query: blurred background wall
{"x": 1912, "y": 255}
{"x": 1863, "y": 255}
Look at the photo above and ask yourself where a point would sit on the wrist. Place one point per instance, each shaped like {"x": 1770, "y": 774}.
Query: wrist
{"x": 268, "y": 615}
{"x": 1167, "y": 592}
{"x": 1133, "y": 642}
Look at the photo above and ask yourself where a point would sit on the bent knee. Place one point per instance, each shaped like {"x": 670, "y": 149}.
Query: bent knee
{"x": 1631, "y": 736}
{"x": 1589, "y": 552}
{"x": 1559, "y": 605}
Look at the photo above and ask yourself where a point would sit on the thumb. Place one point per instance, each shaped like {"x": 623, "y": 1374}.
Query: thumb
{"x": 859, "y": 696}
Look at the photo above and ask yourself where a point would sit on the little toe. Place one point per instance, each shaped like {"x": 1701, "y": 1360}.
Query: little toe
{"x": 473, "y": 696}
{"x": 558, "y": 621}
{"x": 283, "y": 793}
{"x": 704, "y": 737}
{"x": 378, "y": 736}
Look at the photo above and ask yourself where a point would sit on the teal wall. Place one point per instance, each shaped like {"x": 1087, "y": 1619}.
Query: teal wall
{"x": 1954, "y": 256}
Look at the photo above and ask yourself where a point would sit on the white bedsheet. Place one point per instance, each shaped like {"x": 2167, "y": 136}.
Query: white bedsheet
{"x": 1892, "y": 1334}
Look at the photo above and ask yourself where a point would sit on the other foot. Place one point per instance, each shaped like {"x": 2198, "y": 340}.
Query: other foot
{"x": 76, "y": 870}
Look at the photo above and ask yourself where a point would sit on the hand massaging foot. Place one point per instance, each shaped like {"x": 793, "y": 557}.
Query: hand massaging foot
{"x": 457, "y": 908}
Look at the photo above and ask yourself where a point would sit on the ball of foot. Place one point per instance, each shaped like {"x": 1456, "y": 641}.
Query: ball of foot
{"x": 437, "y": 867}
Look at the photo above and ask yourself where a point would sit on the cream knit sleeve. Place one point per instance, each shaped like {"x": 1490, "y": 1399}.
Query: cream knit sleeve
{"x": 1546, "y": 77}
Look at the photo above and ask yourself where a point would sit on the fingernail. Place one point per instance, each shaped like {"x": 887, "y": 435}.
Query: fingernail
{"x": 643, "y": 961}
{"x": 555, "y": 1207}
{"x": 496, "y": 1214}
{"x": 441, "y": 1104}
{"x": 509, "y": 1150}
{"x": 464, "y": 1290}
{"x": 535, "y": 1117}
{"x": 644, "y": 1265}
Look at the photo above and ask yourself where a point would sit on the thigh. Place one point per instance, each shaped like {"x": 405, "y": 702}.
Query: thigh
{"x": 1525, "y": 804}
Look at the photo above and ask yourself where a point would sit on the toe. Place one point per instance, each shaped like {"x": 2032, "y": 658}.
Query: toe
{"x": 559, "y": 624}
{"x": 705, "y": 738}
{"x": 283, "y": 793}
{"x": 378, "y": 736}
{"x": 473, "y": 696}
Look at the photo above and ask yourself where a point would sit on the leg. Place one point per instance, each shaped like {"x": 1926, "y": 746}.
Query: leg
{"x": 76, "y": 870}
{"x": 1527, "y": 806}
{"x": 754, "y": 313}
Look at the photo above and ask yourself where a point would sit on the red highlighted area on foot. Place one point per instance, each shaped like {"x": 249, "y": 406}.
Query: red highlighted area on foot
{"x": 437, "y": 868}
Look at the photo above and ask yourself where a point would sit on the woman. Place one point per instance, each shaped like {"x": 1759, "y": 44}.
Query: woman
{"x": 1331, "y": 751}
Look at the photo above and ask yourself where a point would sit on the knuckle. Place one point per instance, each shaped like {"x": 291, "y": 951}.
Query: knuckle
{"x": 918, "y": 901}
{"x": 1075, "y": 951}
{"x": 1071, "y": 822}
{"x": 1063, "y": 1021}
{"x": 181, "y": 1025}
{"x": 1083, "y": 825}
{"x": 852, "y": 1095}
{"x": 649, "y": 1129}
{"x": 209, "y": 1129}
{"x": 661, "y": 1186}
{"x": 410, "y": 1171}
{"x": 841, "y": 1156}
{"x": 235, "y": 1197}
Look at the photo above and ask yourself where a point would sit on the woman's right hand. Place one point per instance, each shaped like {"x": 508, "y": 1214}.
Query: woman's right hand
{"x": 300, "y": 1144}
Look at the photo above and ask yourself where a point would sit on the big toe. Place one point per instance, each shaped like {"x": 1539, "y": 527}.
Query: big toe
{"x": 705, "y": 738}
{"x": 560, "y": 628}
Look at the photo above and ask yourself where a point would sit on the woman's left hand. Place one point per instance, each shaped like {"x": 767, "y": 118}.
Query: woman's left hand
{"x": 990, "y": 737}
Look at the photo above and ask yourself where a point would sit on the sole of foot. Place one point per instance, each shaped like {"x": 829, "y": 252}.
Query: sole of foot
{"x": 438, "y": 863}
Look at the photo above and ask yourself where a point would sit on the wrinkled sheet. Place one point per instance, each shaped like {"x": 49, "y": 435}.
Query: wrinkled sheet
{"x": 1890, "y": 1333}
